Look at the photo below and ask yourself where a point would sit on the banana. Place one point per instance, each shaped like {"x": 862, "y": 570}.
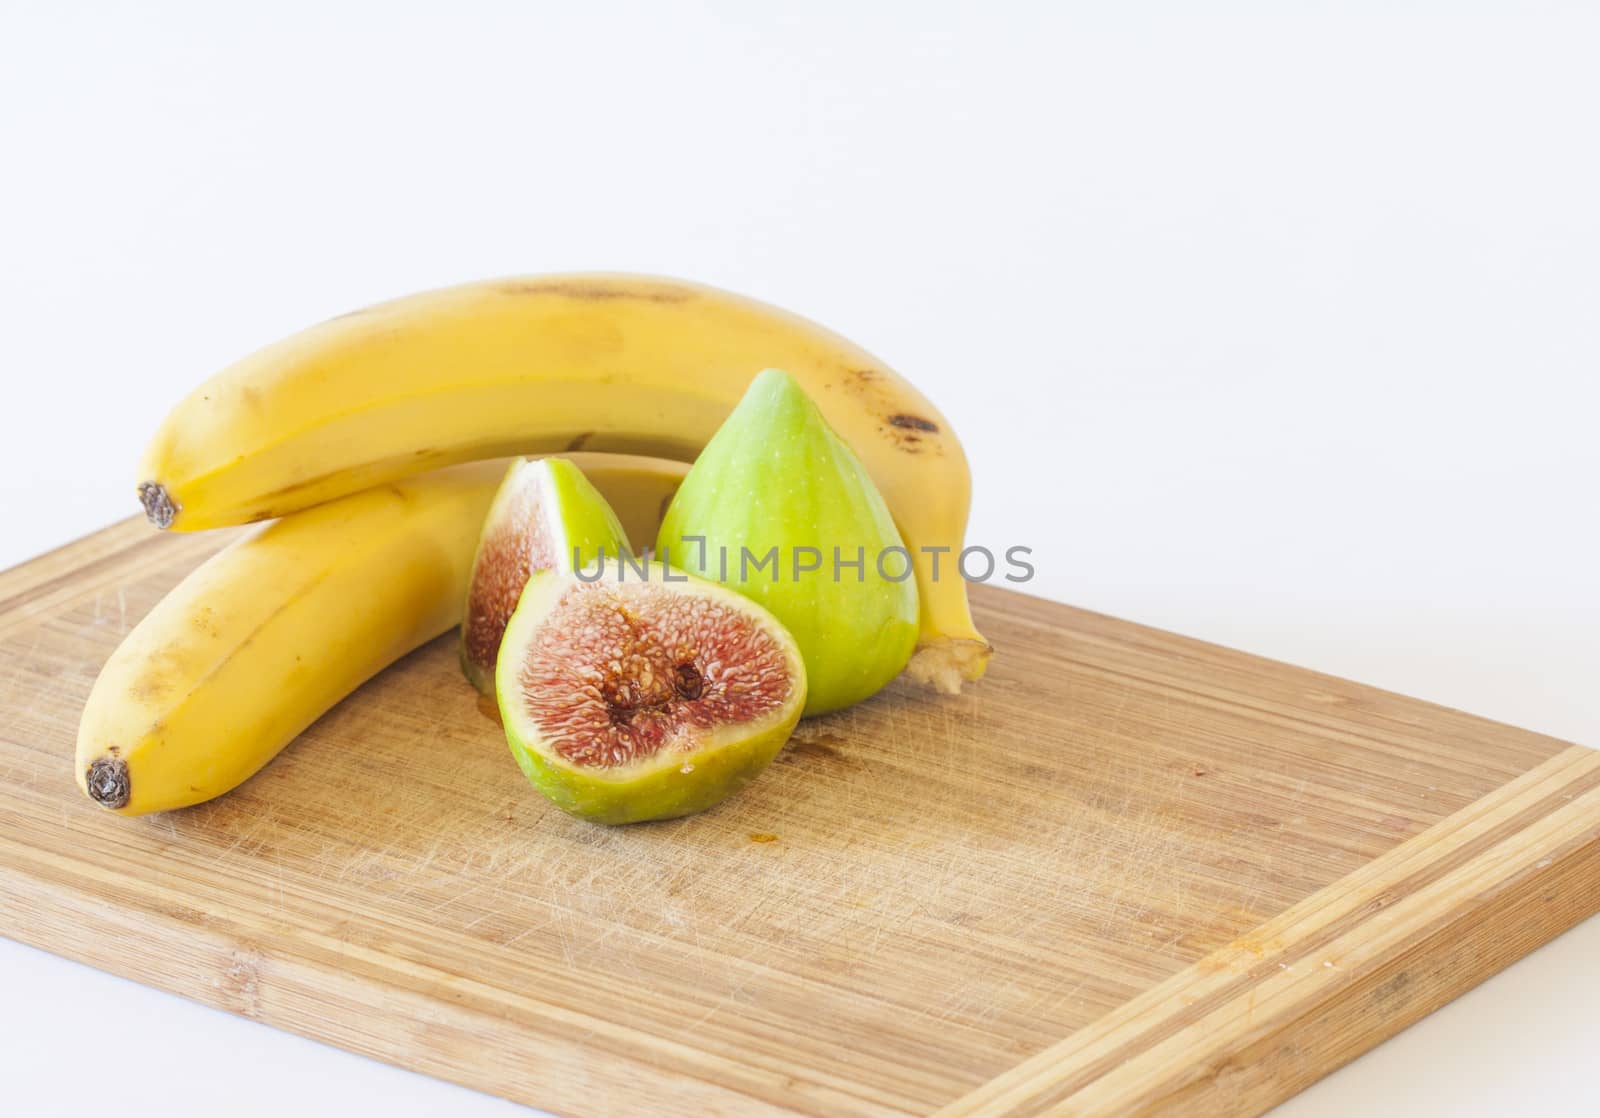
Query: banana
{"x": 266, "y": 635}
{"x": 554, "y": 363}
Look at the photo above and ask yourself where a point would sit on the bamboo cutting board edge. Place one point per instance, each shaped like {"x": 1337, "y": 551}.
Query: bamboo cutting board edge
{"x": 1233, "y": 1033}
{"x": 1305, "y": 992}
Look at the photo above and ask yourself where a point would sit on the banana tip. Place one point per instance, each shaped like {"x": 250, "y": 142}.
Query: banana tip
{"x": 944, "y": 664}
{"x": 108, "y": 784}
{"x": 159, "y": 507}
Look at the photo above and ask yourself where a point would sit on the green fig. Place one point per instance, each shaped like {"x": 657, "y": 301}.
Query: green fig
{"x": 545, "y": 515}
{"x": 629, "y": 692}
{"x": 779, "y": 508}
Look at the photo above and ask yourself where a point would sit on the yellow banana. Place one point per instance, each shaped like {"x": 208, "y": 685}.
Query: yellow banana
{"x": 554, "y": 363}
{"x": 277, "y": 627}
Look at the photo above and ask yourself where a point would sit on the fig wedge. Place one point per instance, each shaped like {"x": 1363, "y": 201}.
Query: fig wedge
{"x": 546, "y": 514}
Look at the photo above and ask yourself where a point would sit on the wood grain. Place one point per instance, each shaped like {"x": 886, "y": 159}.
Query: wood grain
{"x": 1129, "y": 873}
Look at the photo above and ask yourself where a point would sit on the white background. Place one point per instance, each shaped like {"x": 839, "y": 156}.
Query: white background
{"x": 1274, "y": 324}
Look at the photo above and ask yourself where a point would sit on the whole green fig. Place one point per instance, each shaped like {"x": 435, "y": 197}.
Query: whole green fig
{"x": 780, "y": 509}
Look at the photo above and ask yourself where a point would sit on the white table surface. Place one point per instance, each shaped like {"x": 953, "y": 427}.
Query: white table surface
{"x": 1275, "y": 326}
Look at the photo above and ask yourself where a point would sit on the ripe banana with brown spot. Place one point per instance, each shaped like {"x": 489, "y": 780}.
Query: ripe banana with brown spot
{"x": 273, "y": 630}
{"x": 554, "y": 363}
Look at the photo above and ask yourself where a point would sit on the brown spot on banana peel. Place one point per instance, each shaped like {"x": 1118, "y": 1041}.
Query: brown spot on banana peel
{"x": 903, "y": 429}
{"x": 913, "y": 423}
{"x": 906, "y": 438}
{"x": 149, "y": 687}
{"x": 579, "y": 439}
{"x": 906, "y": 430}
{"x": 107, "y": 782}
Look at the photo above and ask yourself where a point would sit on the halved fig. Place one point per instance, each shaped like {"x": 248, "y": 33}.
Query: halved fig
{"x": 631, "y": 692}
{"x": 545, "y": 515}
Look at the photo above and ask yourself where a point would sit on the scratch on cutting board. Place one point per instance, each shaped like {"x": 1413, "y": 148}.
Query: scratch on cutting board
{"x": 20, "y": 664}
{"x": 243, "y": 836}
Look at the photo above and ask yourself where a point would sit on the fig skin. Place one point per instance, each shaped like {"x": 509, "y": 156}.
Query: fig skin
{"x": 578, "y": 518}
{"x": 775, "y": 474}
{"x": 672, "y": 783}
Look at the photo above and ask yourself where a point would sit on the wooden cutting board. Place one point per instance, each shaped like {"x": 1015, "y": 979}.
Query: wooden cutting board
{"x": 1129, "y": 873}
